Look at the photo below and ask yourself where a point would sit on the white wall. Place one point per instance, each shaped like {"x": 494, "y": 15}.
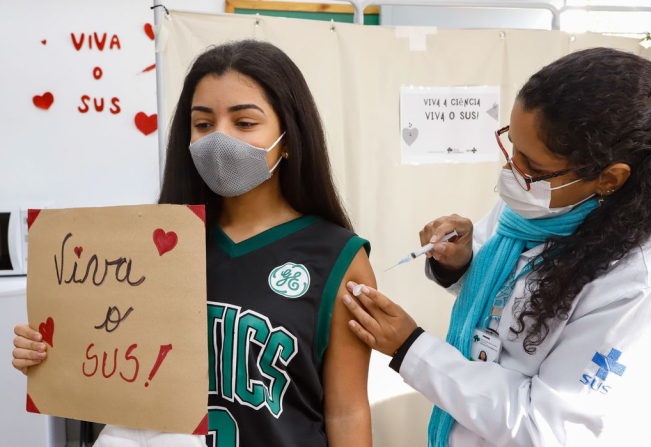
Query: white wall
{"x": 207, "y": 6}
{"x": 460, "y": 18}
{"x": 463, "y": 18}
{"x": 60, "y": 157}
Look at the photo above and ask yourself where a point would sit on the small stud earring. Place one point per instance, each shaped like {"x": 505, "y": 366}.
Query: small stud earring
{"x": 600, "y": 200}
{"x": 285, "y": 155}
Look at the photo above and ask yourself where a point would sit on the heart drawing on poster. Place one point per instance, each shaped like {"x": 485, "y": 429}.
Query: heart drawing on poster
{"x": 494, "y": 112}
{"x": 165, "y": 241}
{"x": 146, "y": 124}
{"x": 79, "y": 251}
{"x": 47, "y": 331}
{"x": 409, "y": 135}
{"x": 44, "y": 101}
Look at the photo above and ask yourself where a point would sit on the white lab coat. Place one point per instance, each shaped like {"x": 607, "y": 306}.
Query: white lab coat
{"x": 542, "y": 399}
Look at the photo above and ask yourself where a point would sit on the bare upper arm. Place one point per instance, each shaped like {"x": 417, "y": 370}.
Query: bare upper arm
{"x": 345, "y": 369}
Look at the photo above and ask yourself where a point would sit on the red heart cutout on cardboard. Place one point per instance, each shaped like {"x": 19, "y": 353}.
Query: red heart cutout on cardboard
{"x": 44, "y": 41}
{"x": 149, "y": 31}
{"x": 146, "y": 124}
{"x": 47, "y": 331}
{"x": 79, "y": 251}
{"x": 165, "y": 241}
{"x": 44, "y": 102}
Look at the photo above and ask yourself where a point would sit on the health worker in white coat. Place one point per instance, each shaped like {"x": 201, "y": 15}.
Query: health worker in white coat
{"x": 553, "y": 284}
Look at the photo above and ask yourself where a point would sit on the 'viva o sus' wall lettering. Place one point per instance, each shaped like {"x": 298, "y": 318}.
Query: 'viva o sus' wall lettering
{"x": 97, "y": 42}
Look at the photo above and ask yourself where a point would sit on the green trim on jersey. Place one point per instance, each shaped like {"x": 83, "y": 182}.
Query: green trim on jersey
{"x": 332, "y": 287}
{"x": 267, "y": 237}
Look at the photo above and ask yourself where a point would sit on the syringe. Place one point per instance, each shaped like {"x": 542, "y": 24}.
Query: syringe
{"x": 413, "y": 255}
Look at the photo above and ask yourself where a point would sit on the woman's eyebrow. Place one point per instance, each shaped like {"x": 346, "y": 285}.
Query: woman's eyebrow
{"x": 201, "y": 109}
{"x": 239, "y": 107}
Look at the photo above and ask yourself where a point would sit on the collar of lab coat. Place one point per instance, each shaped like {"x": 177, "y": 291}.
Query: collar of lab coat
{"x": 534, "y": 251}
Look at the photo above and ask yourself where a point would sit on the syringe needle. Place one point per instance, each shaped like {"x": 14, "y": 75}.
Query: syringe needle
{"x": 392, "y": 267}
{"x": 424, "y": 249}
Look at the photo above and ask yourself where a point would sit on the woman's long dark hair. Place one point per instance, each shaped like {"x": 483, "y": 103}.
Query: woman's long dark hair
{"x": 593, "y": 107}
{"x": 305, "y": 177}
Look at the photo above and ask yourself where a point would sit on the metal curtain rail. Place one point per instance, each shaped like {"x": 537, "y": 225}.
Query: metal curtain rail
{"x": 607, "y": 8}
{"x": 360, "y": 5}
{"x": 160, "y": 98}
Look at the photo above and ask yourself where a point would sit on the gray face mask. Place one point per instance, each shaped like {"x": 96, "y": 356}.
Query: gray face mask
{"x": 231, "y": 167}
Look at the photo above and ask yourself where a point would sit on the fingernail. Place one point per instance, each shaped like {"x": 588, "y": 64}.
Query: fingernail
{"x": 366, "y": 290}
{"x": 434, "y": 239}
{"x": 350, "y": 285}
{"x": 351, "y": 324}
{"x": 346, "y": 299}
{"x": 38, "y": 337}
{"x": 41, "y": 347}
{"x": 41, "y": 355}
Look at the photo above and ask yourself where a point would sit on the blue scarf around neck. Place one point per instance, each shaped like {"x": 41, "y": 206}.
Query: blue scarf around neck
{"x": 490, "y": 269}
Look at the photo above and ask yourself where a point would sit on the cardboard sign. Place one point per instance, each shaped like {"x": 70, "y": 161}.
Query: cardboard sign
{"x": 119, "y": 295}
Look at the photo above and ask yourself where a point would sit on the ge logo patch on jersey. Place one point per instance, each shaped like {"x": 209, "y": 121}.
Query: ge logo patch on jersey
{"x": 290, "y": 280}
{"x": 609, "y": 365}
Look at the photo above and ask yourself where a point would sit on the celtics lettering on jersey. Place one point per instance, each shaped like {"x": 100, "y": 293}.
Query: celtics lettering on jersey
{"x": 233, "y": 332}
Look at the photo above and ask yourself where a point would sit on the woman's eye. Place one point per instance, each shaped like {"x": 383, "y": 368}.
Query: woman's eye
{"x": 246, "y": 124}
{"x": 202, "y": 125}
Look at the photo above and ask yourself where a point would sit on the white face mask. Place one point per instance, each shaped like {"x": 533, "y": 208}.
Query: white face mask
{"x": 533, "y": 204}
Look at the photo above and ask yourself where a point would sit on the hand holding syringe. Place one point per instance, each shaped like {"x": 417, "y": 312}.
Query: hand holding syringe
{"x": 421, "y": 251}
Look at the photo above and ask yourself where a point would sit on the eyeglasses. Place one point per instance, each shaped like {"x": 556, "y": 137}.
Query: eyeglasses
{"x": 525, "y": 180}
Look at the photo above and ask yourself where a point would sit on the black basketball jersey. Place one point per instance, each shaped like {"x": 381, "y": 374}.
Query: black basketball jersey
{"x": 270, "y": 301}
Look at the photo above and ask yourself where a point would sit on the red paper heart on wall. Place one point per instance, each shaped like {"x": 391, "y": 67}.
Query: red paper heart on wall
{"x": 146, "y": 124}
{"x": 149, "y": 31}
{"x": 44, "y": 102}
{"x": 79, "y": 251}
{"x": 165, "y": 241}
{"x": 150, "y": 68}
{"x": 47, "y": 331}
{"x": 44, "y": 41}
